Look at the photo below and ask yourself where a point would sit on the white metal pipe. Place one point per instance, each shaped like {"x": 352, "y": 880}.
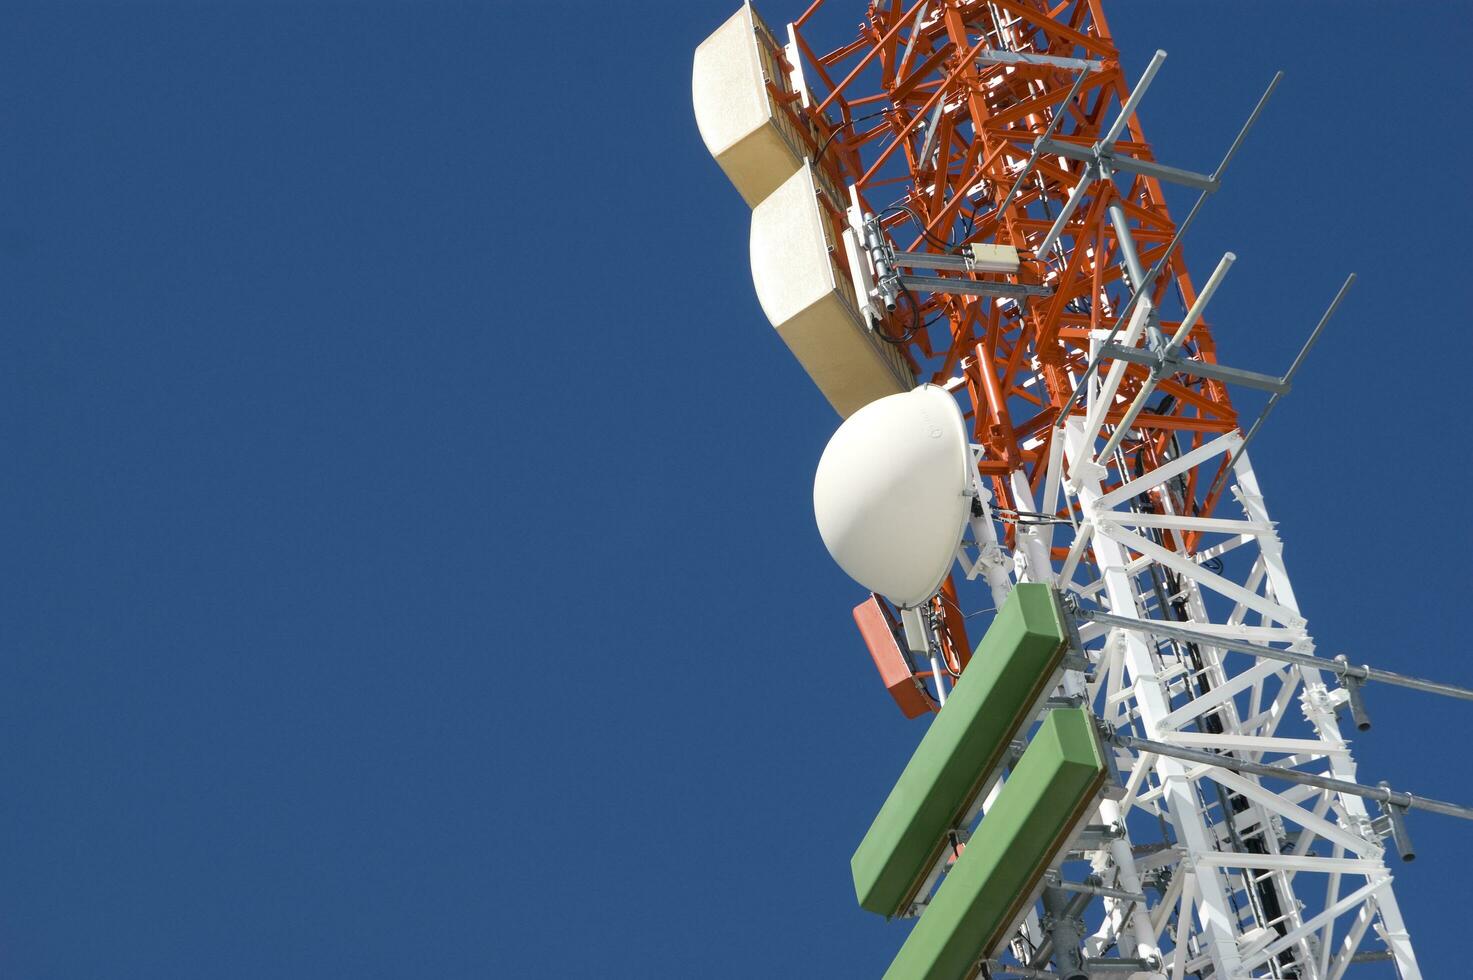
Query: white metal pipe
{"x": 1075, "y": 196}
{"x": 1136, "y": 94}
{"x": 1101, "y": 400}
{"x": 1051, "y": 483}
{"x": 1039, "y": 568}
{"x": 1126, "y": 241}
{"x": 1203, "y": 298}
{"x": 1131, "y": 918}
{"x": 938, "y": 674}
{"x": 991, "y": 555}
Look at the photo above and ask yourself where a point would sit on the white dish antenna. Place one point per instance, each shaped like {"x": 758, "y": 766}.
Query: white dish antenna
{"x": 893, "y": 493}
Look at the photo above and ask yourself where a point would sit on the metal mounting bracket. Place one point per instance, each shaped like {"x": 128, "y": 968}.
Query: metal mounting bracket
{"x": 1106, "y": 161}
{"x": 972, "y": 287}
{"x": 1168, "y": 363}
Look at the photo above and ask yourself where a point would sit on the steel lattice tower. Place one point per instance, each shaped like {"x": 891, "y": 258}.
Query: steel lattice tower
{"x": 1115, "y": 460}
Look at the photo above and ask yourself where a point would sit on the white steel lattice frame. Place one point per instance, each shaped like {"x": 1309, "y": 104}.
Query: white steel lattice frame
{"x": 1213, "y": 886}
{"x": 1141, "y": 685}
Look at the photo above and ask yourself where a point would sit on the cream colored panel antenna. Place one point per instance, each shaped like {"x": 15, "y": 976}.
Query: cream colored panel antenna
{"x": 803, "y": 285}
{"x": 995, "y": 258}
{"x": 754, "y": 140}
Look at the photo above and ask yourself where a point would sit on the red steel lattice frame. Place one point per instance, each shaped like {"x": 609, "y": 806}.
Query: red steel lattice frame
{"x": 1019, "y": 363}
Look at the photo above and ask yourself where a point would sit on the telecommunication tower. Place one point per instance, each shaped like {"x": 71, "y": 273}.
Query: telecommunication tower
{"x": 958, "y": 228}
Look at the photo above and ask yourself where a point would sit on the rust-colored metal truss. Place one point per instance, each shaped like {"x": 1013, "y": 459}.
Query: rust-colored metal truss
{"x": 915, "y": 81}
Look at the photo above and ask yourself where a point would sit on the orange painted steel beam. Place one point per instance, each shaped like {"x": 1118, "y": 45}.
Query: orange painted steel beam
{"x": 1017, "y": 360}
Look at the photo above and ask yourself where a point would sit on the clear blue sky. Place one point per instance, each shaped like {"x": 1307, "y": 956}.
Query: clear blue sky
{"x": 409, "y": 569}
